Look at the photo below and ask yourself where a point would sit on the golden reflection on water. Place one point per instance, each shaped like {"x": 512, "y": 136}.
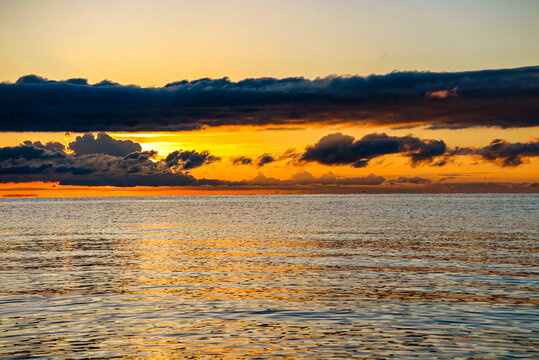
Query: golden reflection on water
{"x": 259, "y": 277}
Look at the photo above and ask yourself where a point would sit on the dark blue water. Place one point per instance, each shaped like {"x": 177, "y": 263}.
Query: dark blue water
{"x": 296, "y": 277}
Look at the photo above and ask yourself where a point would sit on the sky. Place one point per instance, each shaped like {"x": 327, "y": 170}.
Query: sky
{"x": 223, "y": 97}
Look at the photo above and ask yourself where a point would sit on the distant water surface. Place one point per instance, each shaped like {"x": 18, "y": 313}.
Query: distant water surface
{"x": 296, "y": 277}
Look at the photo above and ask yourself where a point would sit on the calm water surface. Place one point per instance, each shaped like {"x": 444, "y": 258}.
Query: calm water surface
{"x": 295, "y": 277}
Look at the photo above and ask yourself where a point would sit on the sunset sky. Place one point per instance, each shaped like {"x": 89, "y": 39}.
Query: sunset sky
{"x": 112, "y": 98}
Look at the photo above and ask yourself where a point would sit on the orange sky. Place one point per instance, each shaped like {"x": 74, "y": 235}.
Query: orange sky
{"x": 228, "y": 142}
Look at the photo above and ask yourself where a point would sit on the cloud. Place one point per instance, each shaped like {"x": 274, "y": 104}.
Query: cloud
{"x": 264, "y": 159}
{"x": 508, "y": 154}
{"x": 27, "y": 152}
{"x": 52, "y": 146}
{"x": 329, "y": 178}
{"x": 103, "y": 144}
{"x": 339, "y": 149}
{"x": 305, "y": 182}
{"x": 241, "y": 160}
{"x": 369, "y": 180}
{"x": 128, "y": 180}
{"x": 89, "y": 165}
{"x": 24, "y": 169}
{"x": 442, "y": 94}
{"x": 427, "y": 151}
{"x": 187, "y": 160}
{"x": 306, "y": 178}
{"x": 261, "y": 180}
{"x": 398, "y": 99}
{"x": 291, "y": 155}
{"x": 412, "y": 180}
{"x": 502, "y": 152}
{"x": 267, "y": 158}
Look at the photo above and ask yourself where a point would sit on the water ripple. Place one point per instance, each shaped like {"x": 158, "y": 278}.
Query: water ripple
{"x": 295, "y": 277}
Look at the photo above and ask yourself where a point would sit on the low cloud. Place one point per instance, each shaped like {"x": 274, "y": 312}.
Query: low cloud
{"x": 52, "y": 146}
{"x": 241, "y": 160}
{"x": 187, "y": 160}
{"x": 502, "y": 152}
{"x": 290, "y": 154}
{"x": 330, "y": 183}
{"x": 103, "y": 144}
{"x": 399, "y": 99}
{"x": 339, "y": 149}
{"x": 28, "y": 152}
{"x": 101, "y": 160}
{"x": 264, "y": 159}
{"x": 412, "y": 180}
{"x": 89, "y": 165}
{"x": 306, "y": 178}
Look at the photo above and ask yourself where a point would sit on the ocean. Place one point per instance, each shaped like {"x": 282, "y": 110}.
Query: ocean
{"x": 270, "y": 276}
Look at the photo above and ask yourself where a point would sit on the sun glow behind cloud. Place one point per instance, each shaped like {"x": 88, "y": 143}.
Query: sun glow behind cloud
{"x": 227, "y": 143}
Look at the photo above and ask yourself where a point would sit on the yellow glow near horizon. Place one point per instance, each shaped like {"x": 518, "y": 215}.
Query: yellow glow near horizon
{"x": 228, "y": 142}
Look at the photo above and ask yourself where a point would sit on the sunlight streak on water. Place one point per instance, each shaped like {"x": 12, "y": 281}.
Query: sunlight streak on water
{"x": 432, "y": 276}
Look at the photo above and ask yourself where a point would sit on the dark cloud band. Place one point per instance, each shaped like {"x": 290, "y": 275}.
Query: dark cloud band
{"x": 502, "y": 98}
